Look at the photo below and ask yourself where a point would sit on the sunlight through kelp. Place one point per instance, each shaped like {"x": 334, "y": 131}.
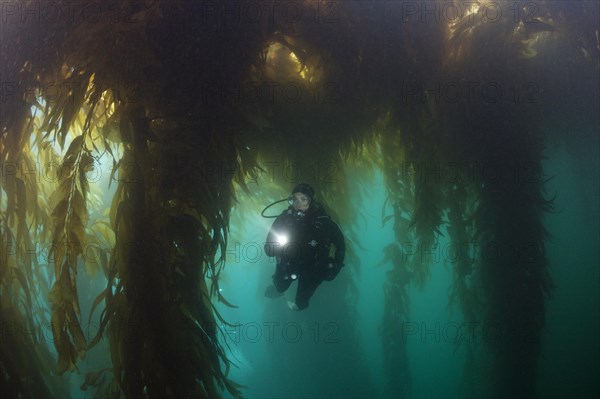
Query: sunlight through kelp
{"x": 182, "y": 113}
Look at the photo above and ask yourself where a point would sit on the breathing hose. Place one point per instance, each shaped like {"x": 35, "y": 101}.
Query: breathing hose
{"x": 268, "y": 206}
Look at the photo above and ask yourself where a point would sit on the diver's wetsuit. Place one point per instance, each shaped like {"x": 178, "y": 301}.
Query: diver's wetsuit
{"x": 306, "y": 253}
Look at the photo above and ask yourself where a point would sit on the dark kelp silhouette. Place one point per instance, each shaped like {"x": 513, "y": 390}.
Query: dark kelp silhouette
{"x": 158, "y": 87}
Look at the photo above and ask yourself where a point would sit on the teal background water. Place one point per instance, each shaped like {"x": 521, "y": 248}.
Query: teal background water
{"x": 308, "y": 367}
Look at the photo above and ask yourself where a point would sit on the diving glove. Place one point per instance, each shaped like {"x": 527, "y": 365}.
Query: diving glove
{"x": 331, "y": 269}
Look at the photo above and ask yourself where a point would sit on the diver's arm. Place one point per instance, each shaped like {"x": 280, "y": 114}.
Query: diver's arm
{"x": 337, "y": 238}
{"x": 336, "y": 263}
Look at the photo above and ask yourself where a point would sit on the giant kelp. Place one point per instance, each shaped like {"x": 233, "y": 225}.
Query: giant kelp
{"x": 149, "y": 86}
{"x": 500, "y": 277}
{"x": 505, "y": 137}
{"x": 168, "y": 224}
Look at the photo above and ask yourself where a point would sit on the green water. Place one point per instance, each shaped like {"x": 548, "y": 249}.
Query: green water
{"x": 318, "y": 353}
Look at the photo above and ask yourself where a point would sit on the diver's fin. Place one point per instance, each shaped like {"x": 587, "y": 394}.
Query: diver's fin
{"x": 271, "y": 292}
{"x": 292, "y": 305}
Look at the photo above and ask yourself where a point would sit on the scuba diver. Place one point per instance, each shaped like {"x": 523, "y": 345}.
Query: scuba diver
{"x": 308, "y": 246}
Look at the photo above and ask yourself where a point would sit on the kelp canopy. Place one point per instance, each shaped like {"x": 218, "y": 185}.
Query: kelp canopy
{"x": 176, "y": 94}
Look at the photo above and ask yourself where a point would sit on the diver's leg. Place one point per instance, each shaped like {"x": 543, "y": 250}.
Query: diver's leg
{"x": 307, "y": 285}
{"x": 281, "y": 279}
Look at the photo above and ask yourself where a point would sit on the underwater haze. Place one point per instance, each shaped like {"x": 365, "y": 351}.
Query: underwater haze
{"x": 314, "y": 354}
